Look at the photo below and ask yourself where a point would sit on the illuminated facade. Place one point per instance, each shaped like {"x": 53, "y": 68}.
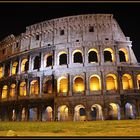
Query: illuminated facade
{"x": 73, "y": 68}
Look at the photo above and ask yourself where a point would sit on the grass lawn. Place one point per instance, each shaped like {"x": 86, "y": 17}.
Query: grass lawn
{"x": 92, "y": 128}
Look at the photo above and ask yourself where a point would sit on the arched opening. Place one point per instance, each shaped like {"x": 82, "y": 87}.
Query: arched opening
{"x": 96, "y": 112}
{"x": 47, "y": 114}
{"x": 95, "y": 83}
{"x": 79, "y": 113}
{"x": 114, "y": 111}
{"x": 111, "y": 82}
{"x": 62, "y": 85}
{"x": 22, "y": 89}
{"x": 15, "y": 68}
{"x": 36, "y": 62}
{"x": 77, "y": 57}
{"x": 1, "y": 72}
{"x": 123, "y": 55}
{"x": 7, "y": 69}
{"x": 4, "y": 92}
{"x": 93, "y": 56}
{"x": 130, "y": 111}
{"x": 33, "y": 113}
{"x": 108, "y": 55}
{"x": 63, "y": 58}
{"x": 48, "y": 60}
{"x": 12, "y": 90}
{"x": 34, "y": 87}
{"x": 23, "y": 114}
{"x": 127, "y": 82}
{"x": 78, "y": 84}
{"x": 47, "y": 86}
{"x": 13, "y": 115}
{"x": 24, "y": 65}
{"x": 63, "y": 113}
{"x": 138, "y": 81}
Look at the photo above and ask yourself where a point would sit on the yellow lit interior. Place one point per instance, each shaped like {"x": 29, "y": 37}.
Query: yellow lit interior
{"x": 62, "y": 85}
{"x": 127, "y": 82}
{"x": 23, "y": 91}
{"x": 112, "y": 53}
{"x": 111, "y": 82}
{"x": 12, "y": 90}
{"x": 138, "y": 81}
{"x": 23, "y": 64}
{"x": 95, "y": 83}
{"x": 79, "y": 84}
{"x": 125, "y": 52}
{"x": 34, "y": 88}
{"x": 114, "y": 110}
{"x": 14, "y": 67}
{"x": 4, "y": 92}
{"x": 1, "y": 72}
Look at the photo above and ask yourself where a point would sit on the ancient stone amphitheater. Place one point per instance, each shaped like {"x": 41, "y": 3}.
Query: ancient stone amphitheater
{"x": 76, "y": 68}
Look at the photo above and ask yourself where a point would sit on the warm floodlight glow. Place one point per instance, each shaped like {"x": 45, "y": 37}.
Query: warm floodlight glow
{"x": 14, "y": 68}
{"x": 111, "y": 82}
{"x": 95, "y": 83}
{"x": 23, "y": 89}
{"x": 127, "y": 81}
{"x": 79, "y": 84}
{"x": 1, "y": 72}
{"x": 4, "y": 92}
{"x": 34, "y": 87}
{"x": 12, "y": 90}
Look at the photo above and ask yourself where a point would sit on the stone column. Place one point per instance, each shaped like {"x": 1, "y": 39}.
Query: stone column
{"x": 42, "y": 61}
{"x": 11, "y": 66}
{"x": 30, "y": 63}
{"x": 40, "y": 86}
{"x": 70, "y": 85}
{"x": 19, "y": 66}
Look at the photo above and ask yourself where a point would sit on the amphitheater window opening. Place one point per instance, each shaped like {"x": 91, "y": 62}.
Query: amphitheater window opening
{"x": 4, "y": 92}
{"x": 114, "y": 111}
{"x": 63, "y": 113}
{"x": 15, "y": 68}
{"x": 91, "y": 29}
{"x": 49, "y": 61}
{"x": 62, "y": 85}
{"x": 7, "y": 69}
{"x": 111, "y": 82}
{"x": 12, "y": 90}
{"x": 93, "y": 57}
{"x": 24, "y": 65}
{"x": 34, "y": 87}
{"x": 96, "y": 112}
{"x": 13, "y": 115}
{"x": 1, "y": 72}
{"x": 17, "y": 44}
{"x": 33, "y": 114}
{"x": 127, "y": 82}
{"x": 79, "y": 84}
{"x": 79, "y": 113}
{"x": 37, "y": 37}
{"x": 95, "y": 83}
{"x": 62, "y": 32}
{"x": 23, "y": 114}
{"x": 63, "y": 59}
{"x": 77, "y": 57}
{"x": 47, "y": 87}
{"x": 36, "y": 62}
{"x": 108, "y": 55}
{"x": 22, "y": 89}
{"x": 138, "y": 81}
{"x": 130, "y": 111}
{"x": 47, "y": 114}
{"x": 123, "y": 55}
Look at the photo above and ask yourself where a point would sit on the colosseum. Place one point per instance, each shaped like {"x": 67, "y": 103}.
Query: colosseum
{"x": 76, "y": 68}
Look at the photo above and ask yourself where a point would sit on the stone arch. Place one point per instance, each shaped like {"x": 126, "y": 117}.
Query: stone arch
{"x": 48, "y": 60}
{"x": 12, "y": 90}
{"x": 47, "y": 86}
{"x": 111, "y": 82}
{"x": 127, "y": 82}
{"x": 130, "y": 111}
{"x": 22, "y": 89}
{"x": 33, "y": 114}
{"x": 1, "y": 71}
{"x": 80, "y": 113}
{"x": 123, "y": 55}
{"x": 23, "y": 114}
{"x": 78, "y": 84}
{"x": 77, "y": 56}
{"x": 24, "y": 65}
{"x": 138, "y": 81}
{"x": 95, "y": 83}
{"x": 62, "y": 58}
{"x": 62, "y": 85}
{"x": 14, "y": 68}
{"x": 34, "y": 87}
{"x": 93, "y": 56}
{"x": 47, "y": 114}
{"x": 114, "y": 111}
{"x": 36, "y": 62}
{"x": 109, "y": 55}
{"x": 4, "y": 92}
{"x": 63, "y": 113}
{"x": 96, "y": 112}
{"x": 14, "y": 115}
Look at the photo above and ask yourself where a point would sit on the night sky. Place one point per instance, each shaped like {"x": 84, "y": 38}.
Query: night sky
{"x": 14, "y": 17}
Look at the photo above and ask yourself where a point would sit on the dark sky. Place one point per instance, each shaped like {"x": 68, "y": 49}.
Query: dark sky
{"x": 14, "y": 17}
